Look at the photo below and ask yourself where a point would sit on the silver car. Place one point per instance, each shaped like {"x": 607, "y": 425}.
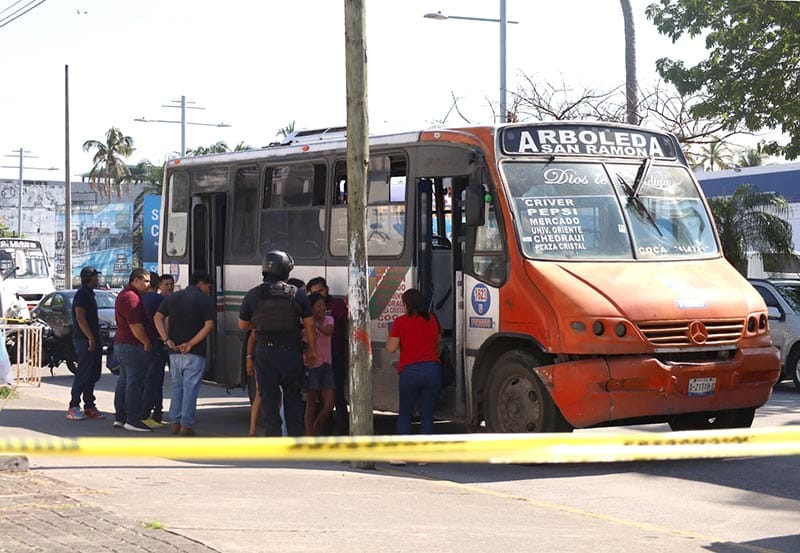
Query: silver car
{"x": 783, "y": 303}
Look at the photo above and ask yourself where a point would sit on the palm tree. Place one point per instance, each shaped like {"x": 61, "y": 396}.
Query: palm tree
{"x": 715, "y": 156}
{"x": 631, "y": 92}
{"x": 283, "y": 132}
{"x": 109, "y": 171}
{"x": 219, "y": 148}
{"x": 752, "y": 221}
{"x": 752, "y": 157}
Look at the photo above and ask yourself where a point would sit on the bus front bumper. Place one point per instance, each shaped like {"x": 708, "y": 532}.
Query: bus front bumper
{"x": 594, "y": 391}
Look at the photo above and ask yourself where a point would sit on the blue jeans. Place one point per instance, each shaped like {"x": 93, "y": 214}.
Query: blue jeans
{"x": 419, "y": 382}
{"x": 154, "y": 381}
{"x": 186, "y": 374}
{"x": 88, "y": 371}
{"x": 280, "y": 368}
{"x": 128, "y": 402}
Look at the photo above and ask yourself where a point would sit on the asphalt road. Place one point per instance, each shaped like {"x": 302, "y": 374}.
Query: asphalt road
{"x": 724, "y": 506}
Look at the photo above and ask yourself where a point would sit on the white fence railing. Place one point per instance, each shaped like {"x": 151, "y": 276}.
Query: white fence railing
{"x": 24, "y": 345}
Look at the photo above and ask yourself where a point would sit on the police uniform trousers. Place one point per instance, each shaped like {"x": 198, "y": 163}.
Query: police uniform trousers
{"x": 280, "y": 368}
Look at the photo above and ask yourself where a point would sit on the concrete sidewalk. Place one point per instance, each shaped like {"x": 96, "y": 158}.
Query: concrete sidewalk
{"x": 66, "y": 503}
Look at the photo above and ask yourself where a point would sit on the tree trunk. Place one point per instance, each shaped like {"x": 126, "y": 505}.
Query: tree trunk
{"x": 631, "y": 92}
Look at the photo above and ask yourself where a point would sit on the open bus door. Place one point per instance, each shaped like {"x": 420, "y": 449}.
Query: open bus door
{"x": 208, "y": 239}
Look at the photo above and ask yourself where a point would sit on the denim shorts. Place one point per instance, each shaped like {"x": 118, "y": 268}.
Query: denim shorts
{"x": 320, "y": 378}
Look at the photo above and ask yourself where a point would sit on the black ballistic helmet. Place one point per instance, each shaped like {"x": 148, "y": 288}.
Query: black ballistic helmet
{"x": 277, "y": 265}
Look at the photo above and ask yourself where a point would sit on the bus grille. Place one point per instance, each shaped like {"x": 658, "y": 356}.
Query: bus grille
{"x": 679, "y": 333}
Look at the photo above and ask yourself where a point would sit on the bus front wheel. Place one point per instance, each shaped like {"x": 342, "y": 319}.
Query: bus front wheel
{"x": 516, "y": 399}
{"x": 734, "y": 418}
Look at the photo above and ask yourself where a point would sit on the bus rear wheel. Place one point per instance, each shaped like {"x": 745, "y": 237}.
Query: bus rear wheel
{"x": 517, "y": 400}
{"x": 734, "y": 418}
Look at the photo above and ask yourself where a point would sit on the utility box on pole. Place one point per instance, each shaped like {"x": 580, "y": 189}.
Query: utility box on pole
{"x": 361, "y": 421}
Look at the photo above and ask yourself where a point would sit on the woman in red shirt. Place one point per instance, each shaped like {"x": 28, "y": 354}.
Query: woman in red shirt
{"x": 416, "y": 335}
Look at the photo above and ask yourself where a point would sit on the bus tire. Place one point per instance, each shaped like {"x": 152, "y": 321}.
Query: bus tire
{"x": 517, "y": 400}
{"x": 734, "y": 418}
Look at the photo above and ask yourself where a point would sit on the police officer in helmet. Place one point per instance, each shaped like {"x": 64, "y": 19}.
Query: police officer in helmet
{"x": 277, "y": 312}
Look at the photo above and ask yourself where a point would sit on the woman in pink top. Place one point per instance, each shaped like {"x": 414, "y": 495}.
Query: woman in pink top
{"x": 320, "y": 374}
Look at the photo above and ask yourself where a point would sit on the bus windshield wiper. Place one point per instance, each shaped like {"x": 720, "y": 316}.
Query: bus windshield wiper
{"x": 641, "y": 174}
{"x": 633, "y": 198}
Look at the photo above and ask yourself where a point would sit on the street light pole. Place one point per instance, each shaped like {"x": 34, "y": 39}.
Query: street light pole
{"x": 183, "y": 107}
{"x": 504, "y": 22}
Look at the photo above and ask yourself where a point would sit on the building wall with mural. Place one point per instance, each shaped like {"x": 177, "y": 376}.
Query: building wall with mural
{"x": 102, "y": 228}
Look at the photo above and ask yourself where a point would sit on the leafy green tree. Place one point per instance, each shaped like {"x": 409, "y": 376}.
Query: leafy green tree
{"x": 109, "y": 171}
{"x": 752, "y": 221}
{"x": 751, "y": 73}
{"x": 6, "y": 232}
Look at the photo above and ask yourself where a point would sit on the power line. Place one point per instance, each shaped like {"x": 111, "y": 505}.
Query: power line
{"x": 11, "y": 6}
{"x": 8, "y": 19}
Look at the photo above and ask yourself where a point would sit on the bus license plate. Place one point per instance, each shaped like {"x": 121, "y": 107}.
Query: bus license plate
{"x": 702, "y": 386}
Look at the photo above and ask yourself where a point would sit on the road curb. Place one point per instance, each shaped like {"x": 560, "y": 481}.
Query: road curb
{"x": 14, "y": 463}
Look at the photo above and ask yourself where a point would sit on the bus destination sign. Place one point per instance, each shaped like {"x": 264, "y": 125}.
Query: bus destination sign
{"x": 594, "y": 140}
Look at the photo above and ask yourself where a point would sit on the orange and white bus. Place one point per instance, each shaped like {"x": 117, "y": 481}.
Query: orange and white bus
{"x": 574, "y": 266}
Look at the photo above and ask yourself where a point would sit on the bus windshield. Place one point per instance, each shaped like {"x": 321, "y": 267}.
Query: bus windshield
{"x": 23, "y": 263}
{"x": 592, "y": 210}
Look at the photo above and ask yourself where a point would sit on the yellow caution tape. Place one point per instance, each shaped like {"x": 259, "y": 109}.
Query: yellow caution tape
{"x": 454, "y": 448}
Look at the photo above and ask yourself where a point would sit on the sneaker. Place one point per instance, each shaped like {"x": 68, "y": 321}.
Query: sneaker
{"x": 136, "y": 426}
{"x": 397, "y": 463}
{"x": 175, "y": 428}
{"x": 158, "y": 417}
{"x": 150, "y": 423}
{"x": 93, "y": 413}
{"x": 118, "y": 424}
{"x": 75, "y": 414}
{"x": 187, "y": 431}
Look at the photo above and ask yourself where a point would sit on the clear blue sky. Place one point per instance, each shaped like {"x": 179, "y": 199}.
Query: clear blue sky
{"x": 260, "y": 65}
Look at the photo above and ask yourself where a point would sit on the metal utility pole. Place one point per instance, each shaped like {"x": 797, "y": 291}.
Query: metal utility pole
{"x": 361, "y": 421}
{"x": 21, "y": 155}
{"x": 182, "y": 104}
{"x": 67, "y": 190}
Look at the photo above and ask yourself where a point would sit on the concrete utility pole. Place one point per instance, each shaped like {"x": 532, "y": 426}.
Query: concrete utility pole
{"x": 21, "y": 155}
{"x": 361, "y": 421}
{"x": 183, "y": 122}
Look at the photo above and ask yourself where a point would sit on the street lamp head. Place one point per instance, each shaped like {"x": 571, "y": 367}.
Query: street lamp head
{"x": 438, "y": 15}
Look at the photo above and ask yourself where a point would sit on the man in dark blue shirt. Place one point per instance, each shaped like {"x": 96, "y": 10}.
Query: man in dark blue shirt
{"x": 184, "y": 320}
{"x": 88, "y": 348}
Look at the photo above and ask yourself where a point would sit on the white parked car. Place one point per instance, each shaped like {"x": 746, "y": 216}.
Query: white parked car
{"x": 783, "y": 303}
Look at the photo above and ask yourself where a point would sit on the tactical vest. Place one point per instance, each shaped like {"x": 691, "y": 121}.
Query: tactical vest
{"x": 277, "y": 310}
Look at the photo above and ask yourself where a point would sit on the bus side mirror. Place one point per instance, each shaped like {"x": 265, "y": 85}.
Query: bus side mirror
{"x": 474, "y": 208}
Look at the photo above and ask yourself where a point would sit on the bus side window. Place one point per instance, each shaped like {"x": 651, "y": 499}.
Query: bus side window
{"x": 293, "y": 213}
{"x": 245, "y": 205}
{"x": 386, "y": 210}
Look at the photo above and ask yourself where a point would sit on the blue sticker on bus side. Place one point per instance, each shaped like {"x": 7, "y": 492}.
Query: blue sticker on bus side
{"x": 481, "y": 299}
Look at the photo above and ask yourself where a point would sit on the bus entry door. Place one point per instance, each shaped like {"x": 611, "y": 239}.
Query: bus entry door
{"x": 207, "y": 240}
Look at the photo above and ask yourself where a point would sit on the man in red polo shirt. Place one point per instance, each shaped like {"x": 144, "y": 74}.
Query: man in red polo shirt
{"x": 132, "y": 346}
